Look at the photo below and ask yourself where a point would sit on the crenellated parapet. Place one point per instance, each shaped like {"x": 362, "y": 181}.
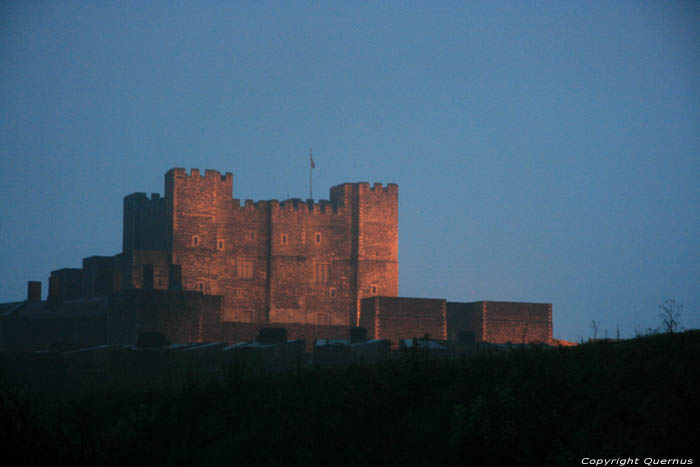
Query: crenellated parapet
{"x": 196, "y": 176}
{"x": 289, "y": 205}
{"x": 344, "y": 194}
{"x": 204, "y": 191}
{"x": 377, "y": 187}
{"x": 309, "y": 206}
{"x": 197, "y": 191}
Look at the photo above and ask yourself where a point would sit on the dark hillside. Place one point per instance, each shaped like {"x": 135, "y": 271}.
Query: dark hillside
{"x": 537, "y": 406}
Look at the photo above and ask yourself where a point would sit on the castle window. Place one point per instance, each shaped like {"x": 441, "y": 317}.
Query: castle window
{"x": 251, "y": 235}
{"x": 373, "y": 289}
{"x": 238, "y": 316}
{"x": 283, "y": 239}
{"x": 195, "y": 240}
{"x": 220, "y": 244}
{"x": 323, "y": 319}
{"x": 317, "y": 238}
{"x": 332, "y": 292}
{"x": 320, "y": 273}
{"x": 245, "y": 269}
{"x": 200, "y": 286}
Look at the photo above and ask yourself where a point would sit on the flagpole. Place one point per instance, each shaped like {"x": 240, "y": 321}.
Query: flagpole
{"x": 311, "y": 166}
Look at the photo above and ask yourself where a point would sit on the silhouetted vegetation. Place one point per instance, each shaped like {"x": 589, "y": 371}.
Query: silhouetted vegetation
{"x": 670, "y": 315}
{"x": 529, "y": 406}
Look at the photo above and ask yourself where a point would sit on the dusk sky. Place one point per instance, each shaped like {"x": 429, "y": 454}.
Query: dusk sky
{"x": 544, "y": 151}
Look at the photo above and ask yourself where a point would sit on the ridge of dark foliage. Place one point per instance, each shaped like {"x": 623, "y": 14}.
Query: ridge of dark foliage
{"x": 534, "y": 406}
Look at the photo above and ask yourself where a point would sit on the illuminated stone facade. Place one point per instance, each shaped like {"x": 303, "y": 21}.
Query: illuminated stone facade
{"x": 273, "y": 262}
{"x": 199, "y": 265}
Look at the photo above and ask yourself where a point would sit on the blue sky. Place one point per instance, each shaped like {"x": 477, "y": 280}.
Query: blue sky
{"x": 544, "y": 151}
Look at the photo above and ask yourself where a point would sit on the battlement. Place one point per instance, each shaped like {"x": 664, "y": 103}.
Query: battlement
{"x": 323, "y": 206}
{"x": 250, "y": 205}
{"x": 362, "y": 187}
{"x": 340, "y": 195}
{"x": 194, "y": 186}
{"x": 343, "y": 195}
{"x": 378, "y": 188}
{"x": 195, "y": 175}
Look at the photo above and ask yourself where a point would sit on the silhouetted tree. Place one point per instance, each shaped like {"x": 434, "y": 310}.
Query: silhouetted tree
{"x": 670, "y": 315}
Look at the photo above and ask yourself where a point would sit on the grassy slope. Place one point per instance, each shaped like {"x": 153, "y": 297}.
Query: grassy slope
{"x": 635, "y": 398}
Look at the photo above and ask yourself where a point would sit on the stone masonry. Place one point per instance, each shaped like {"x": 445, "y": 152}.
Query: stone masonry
{"x": 199, "y": 265}
{"x": 273, "y": 262}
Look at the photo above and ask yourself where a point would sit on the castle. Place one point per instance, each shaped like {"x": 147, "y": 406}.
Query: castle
{"x": 295, "y": 261}
{"x": 200, "y": 265}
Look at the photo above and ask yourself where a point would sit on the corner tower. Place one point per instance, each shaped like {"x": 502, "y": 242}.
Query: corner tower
{"x": 375, "y": 238}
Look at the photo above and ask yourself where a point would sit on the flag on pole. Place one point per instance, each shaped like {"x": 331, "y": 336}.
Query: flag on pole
{"x": 311, "y": 167}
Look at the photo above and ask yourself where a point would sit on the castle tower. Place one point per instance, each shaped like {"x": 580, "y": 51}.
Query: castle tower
{"x": 375, "y": 239}
{"x": 290, "y": 262}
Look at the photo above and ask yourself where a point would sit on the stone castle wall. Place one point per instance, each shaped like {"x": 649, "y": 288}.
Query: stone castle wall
{"x": 517, "y": 322}
{"x": 182, "y": 317}
{"x": 397, "y": 318}
{"x": 501, "y": 322}
{"x": 273, "y": 262}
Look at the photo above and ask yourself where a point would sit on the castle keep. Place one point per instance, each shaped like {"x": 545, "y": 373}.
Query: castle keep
{"x": 199, "y": 265}
{"x": 290, "y": 262}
